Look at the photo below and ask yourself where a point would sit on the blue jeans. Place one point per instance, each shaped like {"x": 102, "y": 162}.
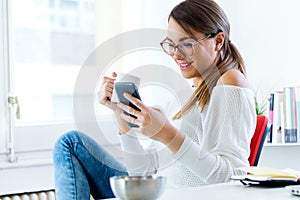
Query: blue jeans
{"x": 82, "y": 167}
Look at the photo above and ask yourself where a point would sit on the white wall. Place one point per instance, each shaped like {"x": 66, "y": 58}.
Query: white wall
{"x": 264, "y": 31}
{"x": 266, "y": 34}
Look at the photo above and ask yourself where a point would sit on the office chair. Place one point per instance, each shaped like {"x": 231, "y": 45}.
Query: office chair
{"x": 258, "y": 139}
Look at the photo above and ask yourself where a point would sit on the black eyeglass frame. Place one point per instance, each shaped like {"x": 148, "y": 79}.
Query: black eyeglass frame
{"x": 192, "y": 44}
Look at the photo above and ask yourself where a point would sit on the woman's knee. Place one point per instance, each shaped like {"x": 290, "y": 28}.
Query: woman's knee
{"x": 67, "y": 139}
{"x": 65, "y": 143}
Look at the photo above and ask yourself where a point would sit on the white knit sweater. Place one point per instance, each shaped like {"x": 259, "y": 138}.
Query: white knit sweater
{"x": 218, "y": 140}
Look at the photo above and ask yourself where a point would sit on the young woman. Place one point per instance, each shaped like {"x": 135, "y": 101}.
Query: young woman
{"x": 217, "y": 122}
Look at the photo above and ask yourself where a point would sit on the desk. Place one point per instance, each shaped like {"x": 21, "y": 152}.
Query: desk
{"x": 230, "y": 191}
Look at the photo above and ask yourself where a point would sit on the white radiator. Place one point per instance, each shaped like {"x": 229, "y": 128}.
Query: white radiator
{"x": 45, "y": 195}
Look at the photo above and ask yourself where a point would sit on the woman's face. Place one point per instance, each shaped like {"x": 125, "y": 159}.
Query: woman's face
{"x": 204, "y": 54}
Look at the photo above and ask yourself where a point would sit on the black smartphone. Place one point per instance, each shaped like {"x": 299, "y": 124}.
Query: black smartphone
{"x": 129, "y": 87}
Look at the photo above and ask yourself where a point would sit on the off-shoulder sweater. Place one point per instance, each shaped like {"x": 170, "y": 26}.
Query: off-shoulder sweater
{"x": 217, "y": 140}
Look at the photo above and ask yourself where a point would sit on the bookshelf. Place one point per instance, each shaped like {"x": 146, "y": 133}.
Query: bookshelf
{"x": 284, "y": 116}
{"x": 281, "y": 144}
{"x": 282, "y": 151}
{"x": 280, "y": 156}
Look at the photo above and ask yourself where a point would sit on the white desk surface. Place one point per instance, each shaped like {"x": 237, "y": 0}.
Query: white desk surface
{"x": 231, "y": 190}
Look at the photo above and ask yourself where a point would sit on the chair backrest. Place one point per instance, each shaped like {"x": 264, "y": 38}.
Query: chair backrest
{"x": 258, "y": 139}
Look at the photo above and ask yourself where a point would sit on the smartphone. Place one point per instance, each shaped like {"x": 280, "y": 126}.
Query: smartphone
{"x": 129, "y": 87}
{"x": 295, "y": 190}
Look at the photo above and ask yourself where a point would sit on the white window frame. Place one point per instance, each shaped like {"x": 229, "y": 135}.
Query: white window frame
{"x": 3, "y": 78}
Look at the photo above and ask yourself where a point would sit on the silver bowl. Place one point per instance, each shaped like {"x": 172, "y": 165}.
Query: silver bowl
{"x": 138, "y": 187}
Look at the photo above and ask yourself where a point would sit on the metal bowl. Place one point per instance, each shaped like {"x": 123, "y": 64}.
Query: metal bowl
{"x": 138, "y": 187}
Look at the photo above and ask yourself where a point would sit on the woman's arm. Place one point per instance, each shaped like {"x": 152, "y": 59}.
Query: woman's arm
{"x": 138, "y": 159}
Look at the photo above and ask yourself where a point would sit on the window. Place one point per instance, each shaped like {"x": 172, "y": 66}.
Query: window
{"x": 43, "y": 45}
{"x": 50, "y": 40}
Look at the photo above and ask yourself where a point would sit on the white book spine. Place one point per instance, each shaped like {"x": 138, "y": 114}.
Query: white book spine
{"x": 282, "y": 127}
{"x": 297, "y": 98}
{"x": 277, "y": 129}
{"x": 290, "y": 115}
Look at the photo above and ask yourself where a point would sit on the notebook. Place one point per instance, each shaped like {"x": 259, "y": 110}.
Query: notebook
{"x": 263, "y": 176}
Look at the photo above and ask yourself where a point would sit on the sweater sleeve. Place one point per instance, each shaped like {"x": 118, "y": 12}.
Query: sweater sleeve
{"x": 228, "y": 124}
{"x": 144, "y": 159}
{"x": 139, "y": 161}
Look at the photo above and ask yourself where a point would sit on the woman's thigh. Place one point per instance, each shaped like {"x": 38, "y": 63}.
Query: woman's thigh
{"x": 90, "y": 165}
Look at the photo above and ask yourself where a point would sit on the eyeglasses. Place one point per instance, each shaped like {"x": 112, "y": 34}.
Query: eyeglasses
{"x": 186, "y": 49}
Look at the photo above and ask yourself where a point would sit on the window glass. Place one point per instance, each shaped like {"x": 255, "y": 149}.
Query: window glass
{"x": 50, "y": 41}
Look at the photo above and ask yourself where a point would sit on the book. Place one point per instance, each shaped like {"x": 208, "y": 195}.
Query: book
{"x": 297, "y": 98}
{"x": 271, "y": 109}
{"x": 266, "y": 176}
{"x": 282, "y": 117}
{"x": 290, "y": 129}
{"x": 277, "y": 128}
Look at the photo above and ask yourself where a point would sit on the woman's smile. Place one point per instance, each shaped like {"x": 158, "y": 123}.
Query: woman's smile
{"x": 185, "y": 66}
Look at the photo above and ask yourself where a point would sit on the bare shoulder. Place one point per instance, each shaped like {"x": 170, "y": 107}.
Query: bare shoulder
{"x": 234, "y": 78}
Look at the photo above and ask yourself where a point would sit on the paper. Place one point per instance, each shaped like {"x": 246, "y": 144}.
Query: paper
{"x": 270, "y": 172}
{"x": 264, "y": 176}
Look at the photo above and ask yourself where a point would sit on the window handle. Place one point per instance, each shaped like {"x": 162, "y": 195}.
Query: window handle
{"x": 14, "y": 101}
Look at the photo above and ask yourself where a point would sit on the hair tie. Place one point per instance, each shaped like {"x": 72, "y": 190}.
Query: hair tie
{"x": 229, "y": 41}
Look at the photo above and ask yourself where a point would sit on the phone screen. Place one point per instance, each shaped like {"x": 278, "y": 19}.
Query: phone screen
{"x": 129, "y": 87}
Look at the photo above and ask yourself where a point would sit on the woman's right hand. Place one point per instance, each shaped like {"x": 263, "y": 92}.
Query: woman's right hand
{"x": 104, "y": 98}
{"x": 106, "y": 89}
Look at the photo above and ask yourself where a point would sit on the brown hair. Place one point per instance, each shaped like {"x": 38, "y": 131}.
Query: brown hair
{"x": 207, "y": 17}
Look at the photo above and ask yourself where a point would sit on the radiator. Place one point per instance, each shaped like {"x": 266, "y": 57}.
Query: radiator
{"x": 45, "y": 195}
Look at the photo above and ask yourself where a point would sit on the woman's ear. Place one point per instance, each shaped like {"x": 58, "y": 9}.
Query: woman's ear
{"x": 219, "y": 41}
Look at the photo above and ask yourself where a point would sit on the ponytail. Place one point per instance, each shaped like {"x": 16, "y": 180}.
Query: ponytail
{"x": 237, "y": 58}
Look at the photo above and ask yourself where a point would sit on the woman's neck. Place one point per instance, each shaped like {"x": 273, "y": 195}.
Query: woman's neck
{"x": 197, "y": 81}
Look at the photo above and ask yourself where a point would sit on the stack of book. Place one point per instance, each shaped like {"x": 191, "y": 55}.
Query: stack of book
{"x": 284, "y": 116}
{"x": 265, "y": 176}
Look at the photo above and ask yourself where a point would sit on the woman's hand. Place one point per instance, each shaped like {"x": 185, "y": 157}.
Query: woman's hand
{"x": 104, "y": 98}
{"x": 152, "y": 123}
{"x": 106, "y": 89}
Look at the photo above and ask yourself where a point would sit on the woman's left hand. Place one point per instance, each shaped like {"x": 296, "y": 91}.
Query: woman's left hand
{"x": 152, "y": 121}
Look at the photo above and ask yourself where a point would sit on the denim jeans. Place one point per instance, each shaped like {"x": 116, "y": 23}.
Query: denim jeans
{"x": 82, "y": 167}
